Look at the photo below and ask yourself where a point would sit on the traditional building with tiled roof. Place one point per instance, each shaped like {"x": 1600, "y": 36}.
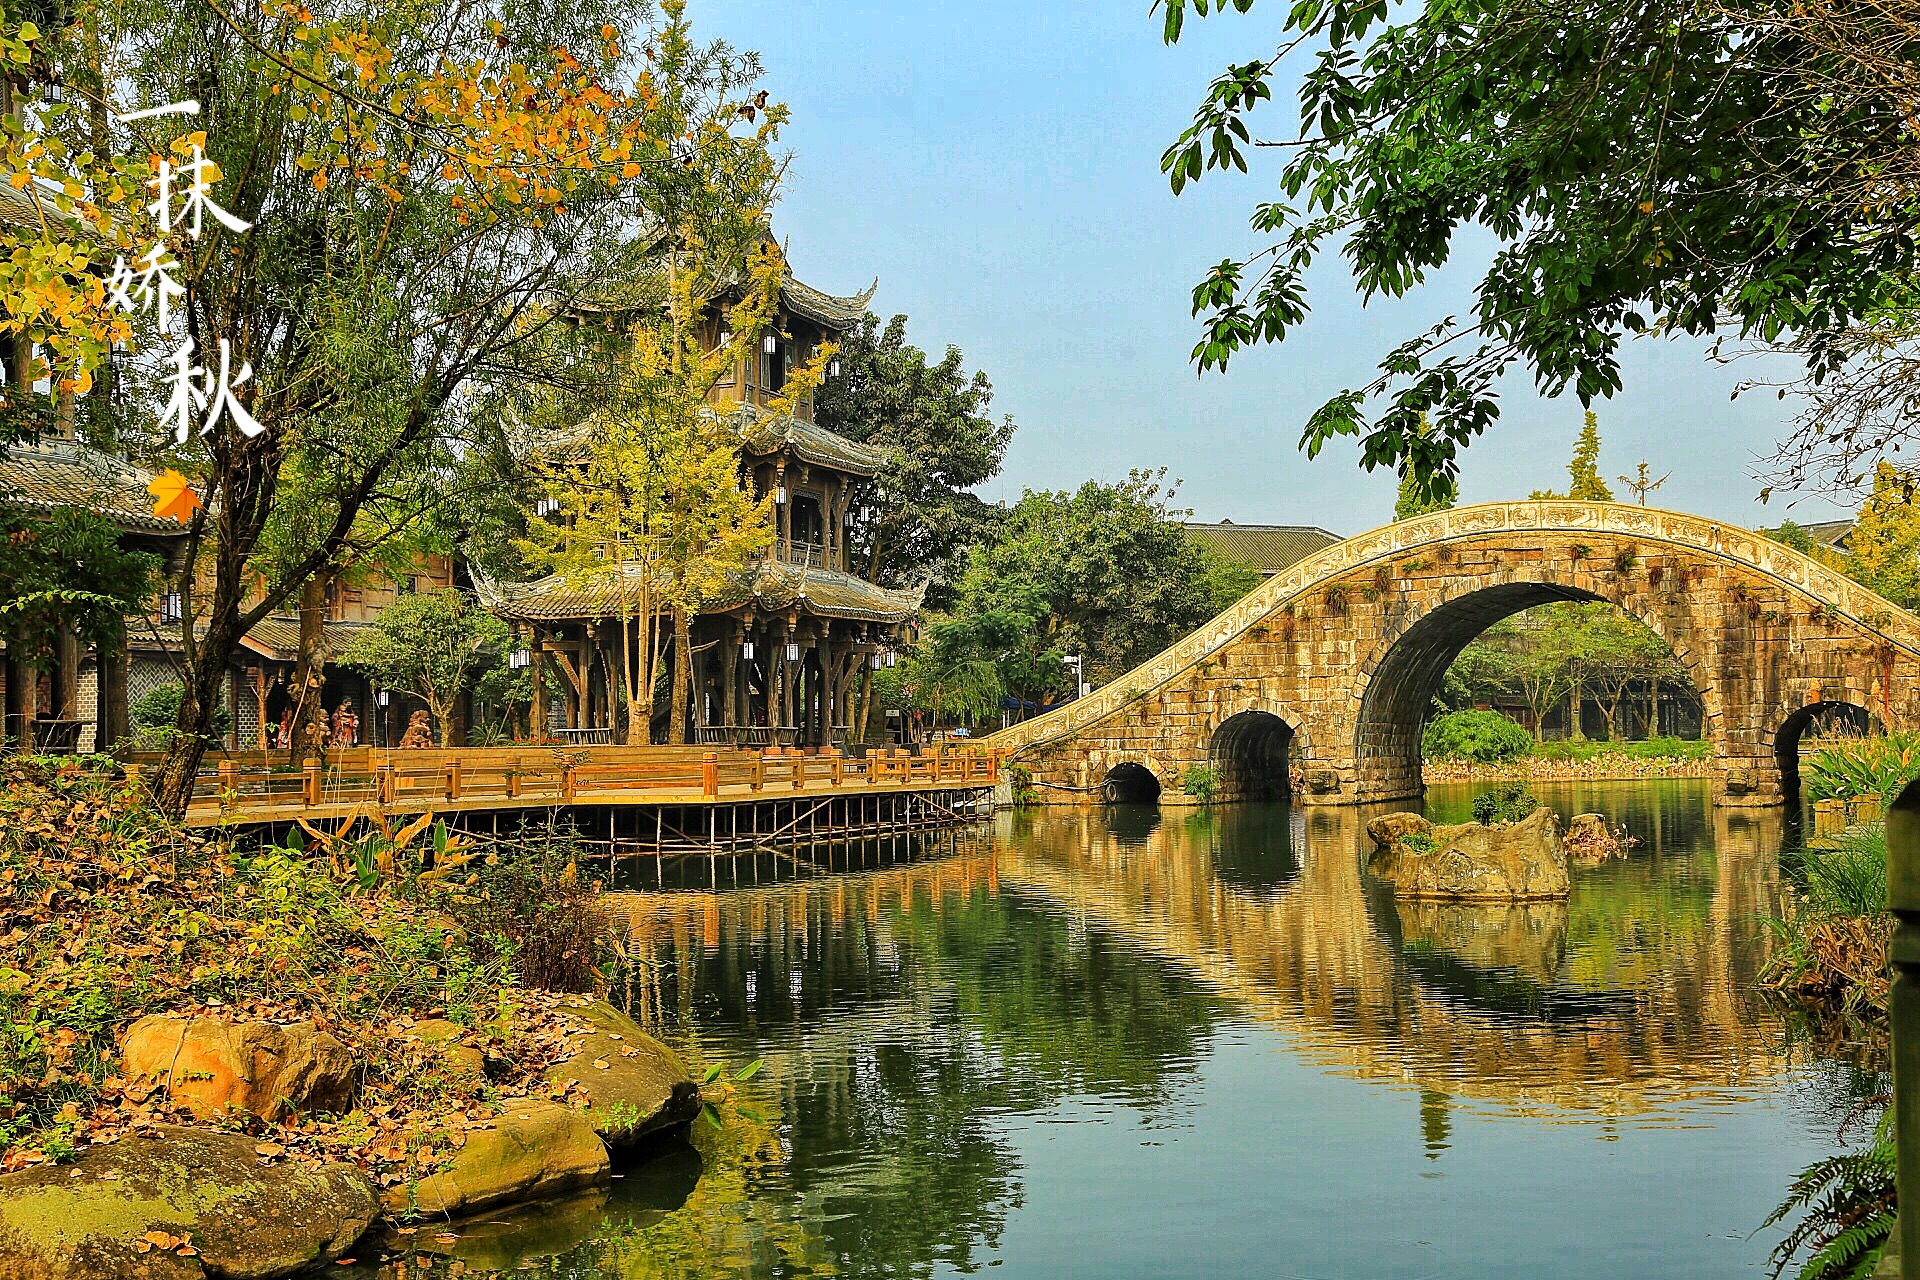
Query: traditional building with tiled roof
{"x": 776, "y": 659}
{"x": 1267, "y": 548}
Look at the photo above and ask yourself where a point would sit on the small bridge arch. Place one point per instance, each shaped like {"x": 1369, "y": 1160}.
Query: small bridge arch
{"x": 1345, "y": 648}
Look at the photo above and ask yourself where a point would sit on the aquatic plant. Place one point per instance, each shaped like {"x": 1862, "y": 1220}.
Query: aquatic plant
{"x": 1201, "y": 782}
{"x": 1844, "y": 768}
{"x": 1833, "y": 934}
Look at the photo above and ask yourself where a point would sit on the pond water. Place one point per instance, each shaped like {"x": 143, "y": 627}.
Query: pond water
{"x": 1168, "y": 1043}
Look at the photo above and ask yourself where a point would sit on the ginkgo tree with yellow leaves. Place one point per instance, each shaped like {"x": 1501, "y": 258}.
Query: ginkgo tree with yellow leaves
{"x": 429, "y": 187}
{"x": 652, "y": 512}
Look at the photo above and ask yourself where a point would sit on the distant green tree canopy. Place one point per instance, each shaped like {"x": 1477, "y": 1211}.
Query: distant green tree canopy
{"x": 1105, "y": 571}
{"x": 1554, "y": 654}
{"x": 1673, "y": 167}
{"x": 932, "y": 421}
{"x": 1584, "y": 468}
{"x": 65, "y": 573}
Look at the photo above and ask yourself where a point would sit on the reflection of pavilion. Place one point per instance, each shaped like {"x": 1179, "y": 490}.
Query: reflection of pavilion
{"x": 1462, "y": 1000}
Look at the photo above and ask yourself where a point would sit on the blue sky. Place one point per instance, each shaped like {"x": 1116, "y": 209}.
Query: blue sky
{"x": 996, "y": 167}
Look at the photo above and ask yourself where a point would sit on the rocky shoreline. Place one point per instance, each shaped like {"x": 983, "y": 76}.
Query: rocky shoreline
{"x": 180, "y": 1202}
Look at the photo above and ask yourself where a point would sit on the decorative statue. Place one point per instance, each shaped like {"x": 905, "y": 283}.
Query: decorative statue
{"x": 419, "y": 731}
{"x": 346, "y": 725}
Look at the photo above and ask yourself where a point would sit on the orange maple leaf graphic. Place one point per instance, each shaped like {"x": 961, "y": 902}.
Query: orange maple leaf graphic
{"x": 173, "y": 497}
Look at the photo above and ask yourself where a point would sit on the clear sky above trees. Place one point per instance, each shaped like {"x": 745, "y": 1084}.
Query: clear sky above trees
{"x": 1018, "y": 221}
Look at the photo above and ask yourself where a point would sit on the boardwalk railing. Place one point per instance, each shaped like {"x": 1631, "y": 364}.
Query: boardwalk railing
{"x": 527, "y": 777}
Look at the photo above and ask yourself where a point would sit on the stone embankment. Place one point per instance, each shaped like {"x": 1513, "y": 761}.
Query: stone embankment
{"x": 181, "y": 1203}
{"x": 1600, "y": 768}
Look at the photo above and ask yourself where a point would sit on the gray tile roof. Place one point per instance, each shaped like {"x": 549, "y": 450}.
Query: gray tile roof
{"x": 768, "y": 586}
{"x": 52, "y": 474}
{"x": 1269, "y": 548}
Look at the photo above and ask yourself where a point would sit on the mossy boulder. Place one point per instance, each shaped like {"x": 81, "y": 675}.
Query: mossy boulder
{"x": 533, "y": 1150}
{"x": 1520, "y": 861}
{"x": 212, "y": 1066}
{"x": 635, "y": 1086}
{"x": 242, "y": 1219}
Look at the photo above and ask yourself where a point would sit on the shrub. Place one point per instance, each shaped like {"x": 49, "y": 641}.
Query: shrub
{"x": 1508, "y": 802}
{"x": 1200, "y": 782}
{"x": 1484, "y": 737}
{"x": 1020, "y": 781}
{"x": 1585, "y": 749}
{"x": 1850, "y": 767}
{"x": 160, "y": 709}
{"x": 527, "y": 908}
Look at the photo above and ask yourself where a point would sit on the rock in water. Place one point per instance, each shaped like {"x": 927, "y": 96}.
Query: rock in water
{"x": 535, "y": 1149}
{"x": 210, "y": 1066}
{"x": 1589, "y": 837}
{"x": 246, "y": 1220}
{"x": 635, "y": 1086}
{"x": 1510, "y": 862}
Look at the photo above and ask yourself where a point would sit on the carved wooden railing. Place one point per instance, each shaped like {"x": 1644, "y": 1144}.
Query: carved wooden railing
{"x": 418, "y": 781}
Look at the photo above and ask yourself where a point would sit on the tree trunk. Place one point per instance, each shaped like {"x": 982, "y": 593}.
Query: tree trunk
{"x": 682, "y": 678}
{"x": 310, "y": 714}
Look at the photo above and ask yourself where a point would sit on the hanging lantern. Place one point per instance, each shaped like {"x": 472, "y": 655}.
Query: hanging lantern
{"x": 878, "y": 662}
{"x": 546, "y": 507}
{"x": 780, "y": 495}
{"x": 382, "y": 698}
{"x": 793, "y": 652}
{"x": 171, "y": 607}
{"x": 771, "y": 345}
{"x": 726, "y": 337}
{"x": 746, "y": 650}
{"x": 519, "y": 660}
{"x": 833, "y": 369}
{"x": 892, "y": 657}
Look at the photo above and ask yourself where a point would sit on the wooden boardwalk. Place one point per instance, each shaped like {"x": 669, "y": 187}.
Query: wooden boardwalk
{"x": 252, "y": 792}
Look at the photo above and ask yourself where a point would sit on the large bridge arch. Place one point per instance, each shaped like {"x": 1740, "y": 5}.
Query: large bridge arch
{"x": 1394, "y": 689}
{"x": 1339, "y": 645}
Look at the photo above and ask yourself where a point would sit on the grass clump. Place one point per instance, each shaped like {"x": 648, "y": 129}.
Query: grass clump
{"x": 1833, "y": 933}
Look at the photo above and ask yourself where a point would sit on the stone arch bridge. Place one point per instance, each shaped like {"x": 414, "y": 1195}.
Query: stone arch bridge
{"x": 1323, "y": 673}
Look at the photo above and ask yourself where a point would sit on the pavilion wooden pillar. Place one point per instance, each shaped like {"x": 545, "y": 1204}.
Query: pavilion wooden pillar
{"x": 537, "y": 715}
{"x": 260, "y": 704}
{"x": 19, "y": 702}
{"x": 114, "y": 669}
{"x": 729, "y": 675}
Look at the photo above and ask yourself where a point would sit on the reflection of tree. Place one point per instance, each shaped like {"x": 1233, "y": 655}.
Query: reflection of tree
{"x": 899, "y": 1012}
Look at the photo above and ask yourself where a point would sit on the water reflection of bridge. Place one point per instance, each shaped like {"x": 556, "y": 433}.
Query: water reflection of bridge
{"x": 1635, "y": 995}
{"x": 1468, "y": 1000}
